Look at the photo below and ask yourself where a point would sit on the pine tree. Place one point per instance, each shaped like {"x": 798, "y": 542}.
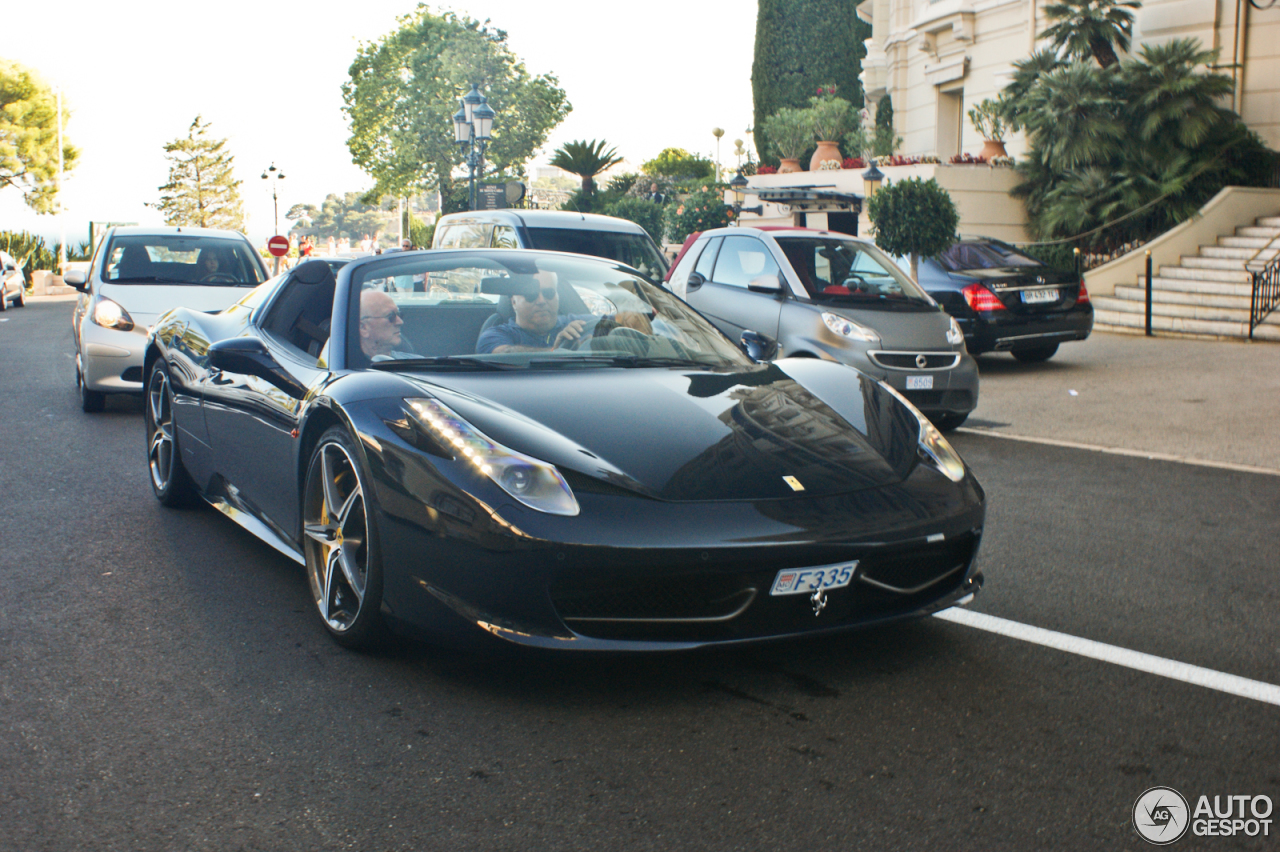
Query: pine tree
{"x": 801, "y": 45}
{"x": 202, "y": 190}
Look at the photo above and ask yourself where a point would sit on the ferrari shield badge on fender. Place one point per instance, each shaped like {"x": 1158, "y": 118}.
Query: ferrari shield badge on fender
{"x": 793, "y": 482}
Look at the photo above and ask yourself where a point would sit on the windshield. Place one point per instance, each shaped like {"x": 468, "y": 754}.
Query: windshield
{"x": 180, "y": 259}
{"x": 837, "y": 270}
{"x": 507, "y": 310}
{"x": 635, "y": 250}
{"x": 983, "y": 255}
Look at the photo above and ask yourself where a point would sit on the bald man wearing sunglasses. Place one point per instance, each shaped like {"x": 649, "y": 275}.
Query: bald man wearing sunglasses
{"x": 538, "y": 325}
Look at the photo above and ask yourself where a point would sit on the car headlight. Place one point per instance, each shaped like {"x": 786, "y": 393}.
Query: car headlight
{"x": 534, "y": 483}
{"x": 109, "y": 314}
{"x": 954, "y": 335}
{"x": 933, "y": 446}
{"x": 848, "y": 328}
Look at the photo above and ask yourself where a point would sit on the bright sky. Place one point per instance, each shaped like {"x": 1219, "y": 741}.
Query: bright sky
{"x": 267, "y": 74}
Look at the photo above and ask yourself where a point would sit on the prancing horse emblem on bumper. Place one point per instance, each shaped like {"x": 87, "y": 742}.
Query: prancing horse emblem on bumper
{"x": 793, "y": 482}
{"x": 819, "y": 601}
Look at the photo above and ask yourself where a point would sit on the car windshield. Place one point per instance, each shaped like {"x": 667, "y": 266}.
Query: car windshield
{"x": 509, "y": 310}
{"x": 983, "y": 255}
{"x": 181, "y": 259}
{"x": 833, "y": 269}
{"x": 635, "y": 250}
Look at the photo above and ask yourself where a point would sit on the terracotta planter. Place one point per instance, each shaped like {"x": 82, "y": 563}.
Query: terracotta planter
{"x": 992, "y": 149}
{"x": 789, "y": 165}
{"x": 826, "y": 151}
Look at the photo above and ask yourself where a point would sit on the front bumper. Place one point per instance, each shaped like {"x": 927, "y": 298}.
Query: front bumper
{"x": 646, "y": 576}
{"x": 110, "y": 360}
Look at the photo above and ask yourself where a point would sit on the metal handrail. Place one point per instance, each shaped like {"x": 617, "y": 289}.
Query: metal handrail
{"x": 1265, "y": 296}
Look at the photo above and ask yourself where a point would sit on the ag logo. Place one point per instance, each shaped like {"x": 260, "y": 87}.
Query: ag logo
{"x": 1161, "y": 815}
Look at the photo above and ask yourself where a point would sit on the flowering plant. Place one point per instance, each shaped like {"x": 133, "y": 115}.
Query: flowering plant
{"x": 829, "y": 114}
{"x": 854, "y": 163}
{"x": 767, "y": 170}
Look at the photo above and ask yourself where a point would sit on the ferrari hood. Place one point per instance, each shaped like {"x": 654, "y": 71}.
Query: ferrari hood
{"x": 798, "y": 426}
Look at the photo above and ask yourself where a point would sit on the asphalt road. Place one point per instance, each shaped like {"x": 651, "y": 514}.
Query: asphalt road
{"x": 165, "y": 685}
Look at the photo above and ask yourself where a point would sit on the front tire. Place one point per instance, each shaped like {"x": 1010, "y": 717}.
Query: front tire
{"x": 344, "y": 564}
{"x": 169, "y": 478}
{"x": 21, "y": 301}
{"x": 950, "y": 421}
{"x": 91, "y": 402}
{"x": 1035, "y": 354}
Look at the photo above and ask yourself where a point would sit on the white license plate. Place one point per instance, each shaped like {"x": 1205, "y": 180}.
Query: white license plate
{"x": 919, "y": 382}
{"x": 803, "y": 581}
{"x": 1038, "y": 297}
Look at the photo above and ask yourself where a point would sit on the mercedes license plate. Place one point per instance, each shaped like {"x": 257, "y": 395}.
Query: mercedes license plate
{"x": 919, "y": 382}
{"x": 1039, "y": 297}
{"x": 802, "y": 581}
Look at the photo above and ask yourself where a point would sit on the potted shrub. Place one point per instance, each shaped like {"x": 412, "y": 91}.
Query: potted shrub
{"x": 986, "y": 119}
{"x": 791, "y": 132}
{"x": 831, "y": 117}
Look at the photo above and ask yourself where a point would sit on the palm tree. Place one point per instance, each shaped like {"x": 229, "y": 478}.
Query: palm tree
{"x": 1091, "y": 28}
{"x": 1074, "y": 116}
{"x": 1176, "y": 102}
{"x": 586, "y": 160}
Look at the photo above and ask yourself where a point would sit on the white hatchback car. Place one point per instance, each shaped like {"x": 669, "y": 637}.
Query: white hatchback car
{"x": 136, "y": 275}
{"x": 12, "y": 283}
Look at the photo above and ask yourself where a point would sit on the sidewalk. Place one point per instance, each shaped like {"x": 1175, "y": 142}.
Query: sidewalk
{"x": 1212, "y": 400}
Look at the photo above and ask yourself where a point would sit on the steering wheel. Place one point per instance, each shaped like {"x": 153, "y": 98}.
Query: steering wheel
{"x": 219, "y": 278}
{"x": 854, "y": 281}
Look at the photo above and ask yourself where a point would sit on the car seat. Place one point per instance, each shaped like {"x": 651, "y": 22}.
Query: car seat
{"x": 135, "y": 262}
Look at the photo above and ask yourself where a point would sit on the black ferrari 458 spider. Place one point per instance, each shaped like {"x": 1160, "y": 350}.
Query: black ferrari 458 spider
{"x": 546, "y": 448}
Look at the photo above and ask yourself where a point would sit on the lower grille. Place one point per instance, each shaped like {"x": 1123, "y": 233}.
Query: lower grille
{"x": 948, "y": 399}
{"x": 733, "y": 602}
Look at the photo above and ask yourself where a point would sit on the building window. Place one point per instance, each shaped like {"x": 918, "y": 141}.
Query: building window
{"x": 950, "y": 122}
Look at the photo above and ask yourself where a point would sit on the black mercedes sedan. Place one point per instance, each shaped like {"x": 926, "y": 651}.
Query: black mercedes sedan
{"x": 1006, "y": 301}
{"x": 466, "y": 444}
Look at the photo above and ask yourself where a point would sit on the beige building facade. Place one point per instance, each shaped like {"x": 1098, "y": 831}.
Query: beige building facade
{"x": 938, "y": 58}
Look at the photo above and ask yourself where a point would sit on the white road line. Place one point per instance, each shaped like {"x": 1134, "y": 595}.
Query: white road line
{"x": 1120, "y": 451}
{"x": 1231, "y": 684}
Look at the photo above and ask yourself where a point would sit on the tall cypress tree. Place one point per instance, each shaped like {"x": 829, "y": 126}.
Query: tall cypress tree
{"x": 801, "y": 45}
{"x": 202, "y": 190}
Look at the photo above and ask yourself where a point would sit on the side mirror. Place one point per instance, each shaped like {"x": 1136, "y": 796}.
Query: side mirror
{"x": 249, "y": 356}
{"x": 76, "y": 278}
{"x": 695, "y": 281}
{"x": 758, "y": 347}
{"x": 768, "y": 283}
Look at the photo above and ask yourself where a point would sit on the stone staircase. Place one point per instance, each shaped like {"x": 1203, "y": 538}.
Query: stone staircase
{"x": 1204, "y": 295}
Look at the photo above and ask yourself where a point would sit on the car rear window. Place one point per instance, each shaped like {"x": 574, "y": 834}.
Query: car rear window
{"x": 635, "y": 250}
{"x": 984, "y": 255}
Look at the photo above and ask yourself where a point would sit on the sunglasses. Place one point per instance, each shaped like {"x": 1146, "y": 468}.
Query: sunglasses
{"x": 391, "y": 317}
{"x": 549, "y": 294}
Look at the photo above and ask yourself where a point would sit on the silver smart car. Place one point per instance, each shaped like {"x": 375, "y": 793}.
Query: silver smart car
{"x": 137, "y": 274}
{"x": 823, "y": 294}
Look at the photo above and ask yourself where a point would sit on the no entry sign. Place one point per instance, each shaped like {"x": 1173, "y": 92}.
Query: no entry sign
{"x": 278, "y": 246}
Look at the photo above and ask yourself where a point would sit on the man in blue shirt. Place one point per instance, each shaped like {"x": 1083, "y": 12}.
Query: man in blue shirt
{"x": 538, "y": 325}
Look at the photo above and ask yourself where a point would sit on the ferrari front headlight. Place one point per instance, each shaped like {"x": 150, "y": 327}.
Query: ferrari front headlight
{"x": 935, "y": 448}
{"x": 534, "y": 483}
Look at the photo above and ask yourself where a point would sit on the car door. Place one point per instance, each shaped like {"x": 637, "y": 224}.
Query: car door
{"x": 252, "y": 422}
{"x": 724, "y": 297}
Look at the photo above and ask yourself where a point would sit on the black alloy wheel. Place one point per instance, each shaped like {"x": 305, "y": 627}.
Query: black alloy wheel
{"x": 340, "y": 545}
{"x": 91, "y": 402}
{"x": 169, "y": 478}
{"x": 1035, "y": 354}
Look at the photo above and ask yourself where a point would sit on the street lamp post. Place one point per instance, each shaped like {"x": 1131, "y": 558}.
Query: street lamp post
{"x": 270, "y": 173}
{"x": 473, "y": 127}
{"x": 738, "y": 189}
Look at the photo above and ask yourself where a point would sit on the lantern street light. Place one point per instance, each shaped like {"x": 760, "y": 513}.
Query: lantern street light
{"x": 738, "y": 190}
{"x": 270, "y": 173}
{"x": 472, "y": 128}
{"x": 871, "y": 180}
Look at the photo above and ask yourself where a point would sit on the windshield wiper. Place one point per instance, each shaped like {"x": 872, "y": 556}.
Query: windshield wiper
{"x": 443, "y": 361}
{"x": 146, "y": 279}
